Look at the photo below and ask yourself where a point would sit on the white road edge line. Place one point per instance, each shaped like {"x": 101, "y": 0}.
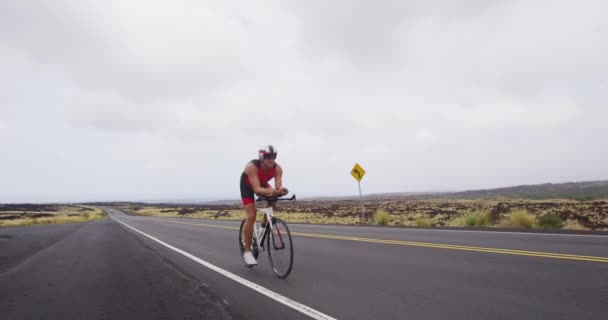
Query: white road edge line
{"x": 271, "y": 294}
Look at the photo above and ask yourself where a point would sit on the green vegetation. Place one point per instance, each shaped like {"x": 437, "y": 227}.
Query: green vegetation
{"x": 581, "y": 197}
{"x": 135, "y": 207}
{"x": 550, "y": 221}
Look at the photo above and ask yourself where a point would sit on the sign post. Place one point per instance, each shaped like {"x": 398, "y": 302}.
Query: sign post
{"x": 357, "y": 172}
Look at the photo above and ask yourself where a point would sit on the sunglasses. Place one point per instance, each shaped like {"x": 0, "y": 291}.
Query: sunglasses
{"x": 270, "y": 156}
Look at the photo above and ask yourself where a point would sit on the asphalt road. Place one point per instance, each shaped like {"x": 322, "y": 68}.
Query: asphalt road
{"x": 162, "y": 268}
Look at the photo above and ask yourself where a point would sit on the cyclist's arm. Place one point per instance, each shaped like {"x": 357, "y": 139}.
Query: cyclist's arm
{"x": 278, "y": 177}
{"x": 252, "y": 172}
{"x": 278, "y": 180}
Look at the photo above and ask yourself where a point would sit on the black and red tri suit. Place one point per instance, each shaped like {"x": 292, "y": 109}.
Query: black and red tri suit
{"x": 247, "y": 194}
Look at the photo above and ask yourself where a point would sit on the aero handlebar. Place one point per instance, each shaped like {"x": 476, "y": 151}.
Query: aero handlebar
{"x": 272, "y": 199}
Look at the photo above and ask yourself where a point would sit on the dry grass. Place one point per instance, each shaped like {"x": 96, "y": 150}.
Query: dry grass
{"x": 381, "y": 217}
{"x": 432, "y": 213}
{"x": 203, "y": 214}
{"x": 520, "y": 218}
{"x": 474, "y": 219}
{"x": 422, "y": 222}
{"x": 573, "y": 225}
{"x": 64, "y": 214}
{"x": 295, "y": 217}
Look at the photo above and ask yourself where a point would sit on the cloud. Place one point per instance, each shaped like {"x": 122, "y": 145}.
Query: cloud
{"x": 460, "y": 51}
{"x": 144, "y": 52}
{"x": 425, "y": 89}
{"x": 194, "y": 58}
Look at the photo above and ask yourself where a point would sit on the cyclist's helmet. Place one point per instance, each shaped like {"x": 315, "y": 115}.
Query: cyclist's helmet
{"x": 267, "y": 152}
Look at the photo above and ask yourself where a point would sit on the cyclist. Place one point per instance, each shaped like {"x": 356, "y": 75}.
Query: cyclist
{"x": 254, "y": 180}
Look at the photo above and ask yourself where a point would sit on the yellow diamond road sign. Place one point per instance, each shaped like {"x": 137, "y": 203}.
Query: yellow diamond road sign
{"x": 357, "y": 172}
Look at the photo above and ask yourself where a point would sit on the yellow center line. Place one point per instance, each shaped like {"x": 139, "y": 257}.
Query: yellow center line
{"x": 427, "y": 244}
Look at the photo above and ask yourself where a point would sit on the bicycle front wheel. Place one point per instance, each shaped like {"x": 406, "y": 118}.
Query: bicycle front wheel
{"x": 280, "y": 249}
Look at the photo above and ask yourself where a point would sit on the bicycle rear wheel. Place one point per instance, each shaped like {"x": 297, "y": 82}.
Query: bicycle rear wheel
{"x": 254, "y": 244}
{"x": 280, "y": 249}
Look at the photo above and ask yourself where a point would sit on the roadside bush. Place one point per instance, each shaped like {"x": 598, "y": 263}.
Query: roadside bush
{"x": 520, "y": 219}
{"x": 551, "y": 221}
{"x": 381, "y": 217}
{"x": 470, "y": 220}
{"x": 422, "y": 222}
{"x": 477, "y": 219}
{"x": 474, "y": 219}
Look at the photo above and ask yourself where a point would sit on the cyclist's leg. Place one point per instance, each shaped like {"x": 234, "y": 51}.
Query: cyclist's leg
{"x": 247, "y": 196}
{"x": 265, "y": 220}
{"x": 248, "y": 228}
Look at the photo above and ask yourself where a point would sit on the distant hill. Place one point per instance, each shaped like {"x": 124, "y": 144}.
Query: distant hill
{"x": 585, "y": 190}
{"x": 570, "y": 190}
{"x": 380, "y": 196}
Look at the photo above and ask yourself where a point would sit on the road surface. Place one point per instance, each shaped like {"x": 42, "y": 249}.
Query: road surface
{"x": 176, "y": 268}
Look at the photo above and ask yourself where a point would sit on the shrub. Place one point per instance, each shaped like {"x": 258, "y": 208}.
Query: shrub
{"x": 474, "y": 219}
{"x": 470, "y": 220}
{"x": 551, "y": 221}
{"x": 422, "y": 222}
{"x": 381, "y": 217}
{"x": 520, "y": 219}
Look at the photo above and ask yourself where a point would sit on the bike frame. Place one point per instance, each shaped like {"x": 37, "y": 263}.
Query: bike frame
{"x": 267, "y": 209}
{"x": 261, "y": 233}
{"x": 273, "y": 234}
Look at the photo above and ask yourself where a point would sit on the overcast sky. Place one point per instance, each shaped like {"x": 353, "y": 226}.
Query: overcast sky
{"x": 144, "y": 100}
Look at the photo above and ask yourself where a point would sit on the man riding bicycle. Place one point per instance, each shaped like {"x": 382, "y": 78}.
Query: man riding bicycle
{"x": 254, "y": 180}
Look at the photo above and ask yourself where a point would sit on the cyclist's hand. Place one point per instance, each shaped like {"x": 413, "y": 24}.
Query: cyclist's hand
{"x": 284, "y": 191}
